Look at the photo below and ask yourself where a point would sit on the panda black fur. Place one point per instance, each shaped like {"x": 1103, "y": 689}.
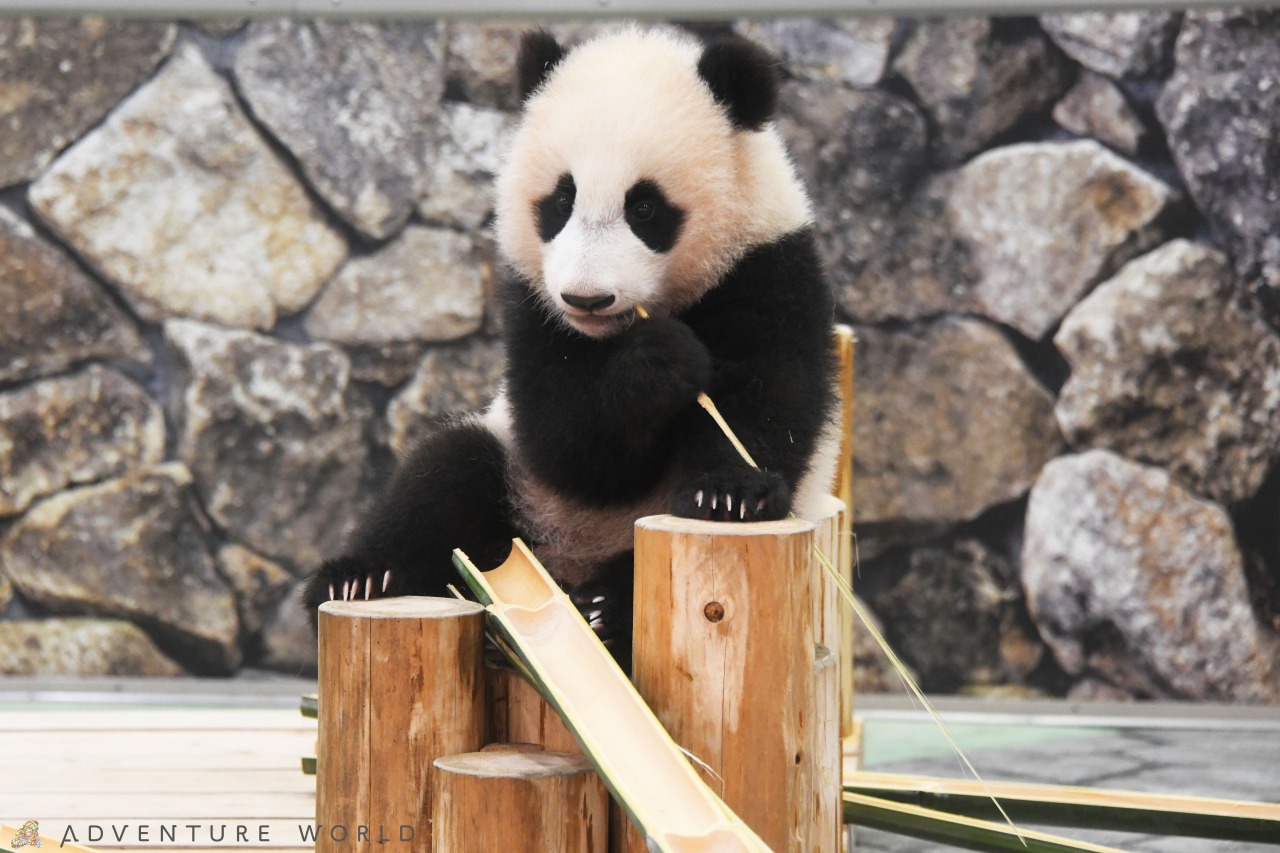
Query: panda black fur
{"x": 645, "y": 172}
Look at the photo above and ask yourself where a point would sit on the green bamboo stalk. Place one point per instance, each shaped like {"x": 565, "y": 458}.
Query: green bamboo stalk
{"x": 956, "y": 830}
{"x": 1062, "y": 805}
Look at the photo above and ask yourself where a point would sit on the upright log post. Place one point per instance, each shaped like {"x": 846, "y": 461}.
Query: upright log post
{"x": 519, "y": 799}
{"x": 401, "y": 684}
{"x": 518, "y": 714}
{"x": 725, "y": 652}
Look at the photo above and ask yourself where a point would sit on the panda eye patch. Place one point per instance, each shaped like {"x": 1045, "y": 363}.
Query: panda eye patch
{"x": 553, "y": 210}
{"x": 652, "y": 218}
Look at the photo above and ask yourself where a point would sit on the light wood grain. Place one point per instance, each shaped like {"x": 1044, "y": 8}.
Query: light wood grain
{"x": 724, "y": 653}
{"x": 401, "y": 684}
{"x": 518, "y": 714}
{"x": 518, "y": 800}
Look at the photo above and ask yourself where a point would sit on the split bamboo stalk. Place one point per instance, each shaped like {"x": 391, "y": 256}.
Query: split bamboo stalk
{"x": 401, "y": 684}
{"x": 724, "y": 653}
{"x": 518, "y": 714}
{"x": 518, "y": 799}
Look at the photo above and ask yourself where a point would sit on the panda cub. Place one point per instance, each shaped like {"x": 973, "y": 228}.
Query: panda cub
{"x": 645, "y": 178}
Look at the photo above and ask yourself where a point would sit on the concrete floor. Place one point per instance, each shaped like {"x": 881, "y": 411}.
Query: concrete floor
{"x": 1196, "y": 750}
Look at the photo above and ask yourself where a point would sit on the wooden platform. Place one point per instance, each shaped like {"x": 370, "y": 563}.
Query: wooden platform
{"x": 166, "y": 778}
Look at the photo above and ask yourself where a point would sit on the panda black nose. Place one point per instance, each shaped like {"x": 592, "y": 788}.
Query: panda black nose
{"x": 589, "y": 301}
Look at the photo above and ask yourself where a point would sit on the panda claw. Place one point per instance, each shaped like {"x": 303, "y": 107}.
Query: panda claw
{"x": 742, "y": 511}
{"x": 368, "y": 586}
{"x": 714, "y": 497}
{"x": 728, "y": 502}
{"x": 386, "y": 580}
{"x": 331, "y": 594}
{"x": 346, "y": 590}
{"x": 596, "y": 624}
{"x": 593, "y": 616}
{"x": 597, "y": 599}
{"x": 697, "y": 498}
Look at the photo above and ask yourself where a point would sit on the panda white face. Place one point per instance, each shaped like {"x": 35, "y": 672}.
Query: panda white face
{"x": 628, "y": 184}
{"x": 603, "y": 256}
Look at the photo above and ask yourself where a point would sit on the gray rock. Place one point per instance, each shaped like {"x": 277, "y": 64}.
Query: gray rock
{"x": 954, "y": 611}
{"x": 1221, "y": 114}
{"x": 288, "y": 641}
{"x": 1132, "y": 579}
{"x": 454, "y": 379}
{"x": 59, "y": 77}
{"x": 73, "y": 430}
{"x": 275, "y": 436}
{"x": 860, "y": 153}
{"x": 353, "y": 102}
{"x": 481, "y": 61}
{"x": 6, "y": 593}
{"x": 427, "y": 285}
{"x": 1118, "y": 44}
{"x": 134, "y": 548}
{"x": 80, "y": 648}
{"x": 221, "y": 27}
{"x": 948, "y": 423}
{"x": 1018, "y": 234}
{"x": 388, "y": 365}
{"x": 259, "y": 584}
{"x": 853, "y": 51}
{"x": 177, "y": 199}
{"x": 978, "y": 77}
{"x": 52, "y": 315}
{"x": 1045, "y": 222}
{"x": 1167, "y": 367}
{"x": 1096, "y": 107}
{"x": 469, "y": 143}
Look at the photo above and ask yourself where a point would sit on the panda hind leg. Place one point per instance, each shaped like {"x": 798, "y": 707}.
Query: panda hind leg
{"x": 449, "y": 492}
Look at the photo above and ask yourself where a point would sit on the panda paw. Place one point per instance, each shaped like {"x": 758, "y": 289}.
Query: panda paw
{"x": 607, "y": 609}
{"x": 347, "y": 579}
{"x": 746, "y": 495}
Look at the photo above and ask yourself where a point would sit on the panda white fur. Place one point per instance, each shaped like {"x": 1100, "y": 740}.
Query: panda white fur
{"x": 645, "y": 172}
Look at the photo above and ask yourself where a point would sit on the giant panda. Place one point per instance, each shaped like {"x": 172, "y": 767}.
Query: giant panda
{"x": 659, "y": 245}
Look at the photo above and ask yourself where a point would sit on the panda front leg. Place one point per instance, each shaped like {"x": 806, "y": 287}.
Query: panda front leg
{"x": 450, "y": 492}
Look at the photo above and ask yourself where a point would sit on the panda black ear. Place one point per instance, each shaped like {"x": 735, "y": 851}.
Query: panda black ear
{"x": 539, "y": 53}
{"x": 743, "y": 78}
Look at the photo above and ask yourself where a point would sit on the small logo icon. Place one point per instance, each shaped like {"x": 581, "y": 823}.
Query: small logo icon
{"x": 29, "y": 835}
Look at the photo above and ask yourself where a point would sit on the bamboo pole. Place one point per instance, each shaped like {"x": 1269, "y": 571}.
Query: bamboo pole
{"x": 401, "y": 684}
{"x": 724, "y": 653}
{"x": 844, "y": 554}
{"x": 518, "y": 799}
{"x": 518, "y": 714}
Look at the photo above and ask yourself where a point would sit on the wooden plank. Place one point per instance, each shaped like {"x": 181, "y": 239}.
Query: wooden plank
{"x": 162, "y": 749}
{"x": 35, "y": 779}
{"x": 149, "y": 720}
{"x": 242, "y": 806}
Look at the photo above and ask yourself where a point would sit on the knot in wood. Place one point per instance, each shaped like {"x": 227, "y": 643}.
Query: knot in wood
{"x": 714, "y": 611}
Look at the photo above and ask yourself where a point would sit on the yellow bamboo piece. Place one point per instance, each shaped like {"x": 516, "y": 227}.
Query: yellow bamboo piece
{"x": 843, "y": 555}
{"x": 401, "y": 684}
{"x": 518, "y": 799}
{"x": 724, "y": 652}
{"x": 619, "y": 734}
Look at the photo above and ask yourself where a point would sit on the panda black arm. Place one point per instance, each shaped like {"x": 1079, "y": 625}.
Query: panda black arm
{"x": 768, "y": 327}
{"x": 596, "y": 418}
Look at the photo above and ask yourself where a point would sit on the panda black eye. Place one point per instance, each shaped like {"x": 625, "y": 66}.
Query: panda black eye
{"x": 643, "y": 210}
{"x": 564, "y": 203}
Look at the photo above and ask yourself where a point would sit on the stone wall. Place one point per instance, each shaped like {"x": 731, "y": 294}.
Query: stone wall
{"x": 243, "y": 265}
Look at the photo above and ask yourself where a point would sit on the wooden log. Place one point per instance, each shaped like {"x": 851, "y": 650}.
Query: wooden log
{"x": 401, "y": 684}
{"x": 724, "y": 653}
{"x": 541, "y": 802}
{"x": 518, "y": 714}
{"x": 845, "y": 553}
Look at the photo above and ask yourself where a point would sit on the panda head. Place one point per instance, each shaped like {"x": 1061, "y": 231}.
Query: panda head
{"x": 643, "y": 167}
